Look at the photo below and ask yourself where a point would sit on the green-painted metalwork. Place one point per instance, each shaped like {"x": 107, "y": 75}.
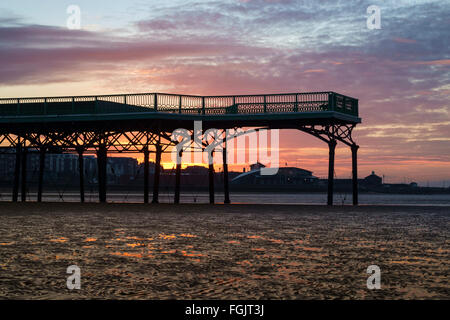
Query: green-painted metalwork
{"x": 268, "y": 104}
{"x": 133, "y": 123}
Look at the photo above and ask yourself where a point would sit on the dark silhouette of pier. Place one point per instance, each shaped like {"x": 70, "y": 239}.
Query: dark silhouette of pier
{"x": 143, "y": 123}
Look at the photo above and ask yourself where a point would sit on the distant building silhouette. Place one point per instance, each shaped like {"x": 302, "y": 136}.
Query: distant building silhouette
{"x": 63, "y": 167}
{"x": 284, "y": 176}
{"x": 373, "y": 180}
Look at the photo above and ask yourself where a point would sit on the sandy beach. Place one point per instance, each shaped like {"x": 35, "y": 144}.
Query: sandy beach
{"x": 196, "y": 251}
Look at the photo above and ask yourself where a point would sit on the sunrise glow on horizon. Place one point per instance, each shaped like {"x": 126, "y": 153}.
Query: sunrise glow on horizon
{"x": 400, "y": 73}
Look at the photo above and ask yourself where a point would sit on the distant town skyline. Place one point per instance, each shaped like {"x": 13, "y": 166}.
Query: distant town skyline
{"x": 400, "y": 73}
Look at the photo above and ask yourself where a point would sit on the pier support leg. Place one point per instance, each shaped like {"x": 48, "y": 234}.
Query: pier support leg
{"x": 211, "y": 178}
{"x": 101, "y": 164}
{"x": 24, "y": 175}
{"x": 146, "y": 173}
{"x": 41, "y": 173}
{"x": 157, "y": 174}
{"x": 81, "y": 173}
{"x": 355, "y": 148}
{"x": 177, "y": 179}
{"x": 15, "y": 195}
{"x": 225, "y": 172}
{"x": 332, "y": 148}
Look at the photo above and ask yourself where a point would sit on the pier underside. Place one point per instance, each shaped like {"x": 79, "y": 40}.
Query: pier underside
{"x": 145, "y": 124}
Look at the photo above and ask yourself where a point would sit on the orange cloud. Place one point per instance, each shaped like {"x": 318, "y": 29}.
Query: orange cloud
{"x": 403, "y": 40}
{"x": 444, "y": 62}
{"x": 314, "y": 71}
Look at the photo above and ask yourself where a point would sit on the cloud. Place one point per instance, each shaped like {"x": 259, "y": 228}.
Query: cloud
{"x": 403, "y": 40}
{"x": 443, "y": 62}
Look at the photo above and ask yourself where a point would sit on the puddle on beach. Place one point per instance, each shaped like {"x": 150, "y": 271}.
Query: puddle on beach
{"x": 60, "y": 240}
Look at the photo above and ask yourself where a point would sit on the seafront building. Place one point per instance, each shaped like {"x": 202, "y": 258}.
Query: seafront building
{"x": 126, "y": 172}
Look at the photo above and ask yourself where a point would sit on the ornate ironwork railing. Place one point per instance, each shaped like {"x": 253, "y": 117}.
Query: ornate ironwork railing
{"x": 184, "y": 104}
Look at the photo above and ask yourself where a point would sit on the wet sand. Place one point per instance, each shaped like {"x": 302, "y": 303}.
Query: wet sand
{"x": 135, "y": 251}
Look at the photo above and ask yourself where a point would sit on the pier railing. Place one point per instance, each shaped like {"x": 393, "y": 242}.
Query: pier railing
{"x": 184, "y": 104}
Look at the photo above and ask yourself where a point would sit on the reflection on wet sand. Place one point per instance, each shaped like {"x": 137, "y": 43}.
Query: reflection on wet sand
{"x": 7, "y": 243}
{"x": 127, "y": 254}
{"x": 225, "y": 252}
{"x": 133, "y": 245}
{"x": 188, "y": 235}
{"x": 192, "y": 254}
{"x": 60, "y": 239}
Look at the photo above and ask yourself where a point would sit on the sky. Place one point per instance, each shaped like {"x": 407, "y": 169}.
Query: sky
{"x": 400, "y": 73}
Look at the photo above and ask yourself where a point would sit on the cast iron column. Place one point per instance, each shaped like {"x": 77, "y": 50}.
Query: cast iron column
{"x": 101, "y": 164}
{"x": 157, "y": 173}
{"x": 225, "y": 171}
{"x": 177, "y": 179}
{"x": 332, "y": 147}
{"x": 355, "y": 148}
{"x": 211, "y": 177}
{"x": 15, "y": 194}
{"x": 41, "y": 173}
{"x": 81, "y": 173}
{"x": 24, "y": 175}
{"x": 146, "y": 173}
